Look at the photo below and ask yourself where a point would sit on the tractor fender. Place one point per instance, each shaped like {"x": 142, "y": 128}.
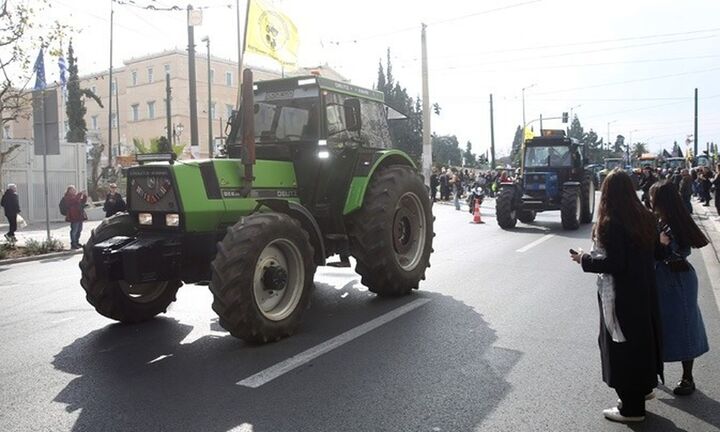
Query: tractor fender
{"x": 365, "y": 167}
{"x": 307, "y": 221}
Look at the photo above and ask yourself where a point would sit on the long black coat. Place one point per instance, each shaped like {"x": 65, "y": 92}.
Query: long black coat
{"x": 10, "y": 203}
{"x": 637, "y": 362}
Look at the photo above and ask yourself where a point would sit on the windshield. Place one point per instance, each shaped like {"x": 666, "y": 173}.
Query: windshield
{"x": 548, "y": 156}
{"x": 612, "y": 164}
{"x": 290, "y": 120}
{"x": 676, "y": 163}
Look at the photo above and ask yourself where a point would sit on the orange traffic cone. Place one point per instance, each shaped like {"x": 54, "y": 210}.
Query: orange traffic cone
{"x": 476, "y": 214}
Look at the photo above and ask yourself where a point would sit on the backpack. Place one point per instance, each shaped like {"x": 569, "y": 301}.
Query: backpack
{"x": 63, "y": 207}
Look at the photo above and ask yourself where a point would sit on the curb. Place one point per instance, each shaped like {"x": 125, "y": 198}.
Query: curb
{"x": 40, "y": 257}
{"x": 704, "y": 217}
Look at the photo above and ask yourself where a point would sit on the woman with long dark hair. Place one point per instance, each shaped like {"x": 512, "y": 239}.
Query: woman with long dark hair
{"x": 683, "y": 330}
{"x": 629, "y": 323}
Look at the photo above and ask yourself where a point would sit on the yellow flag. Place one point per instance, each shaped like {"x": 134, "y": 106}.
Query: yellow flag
{"x": 271, "y": 33}
{"x": 529, "y": 134}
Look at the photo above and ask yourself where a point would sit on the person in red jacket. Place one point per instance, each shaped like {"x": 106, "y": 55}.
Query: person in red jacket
{"x": 75, "y": 204}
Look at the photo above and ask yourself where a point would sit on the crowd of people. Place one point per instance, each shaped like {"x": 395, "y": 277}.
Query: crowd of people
{"x": 455, "y": 183}
{"x": 699, "y": 182}
{"x": 647, "y": 289}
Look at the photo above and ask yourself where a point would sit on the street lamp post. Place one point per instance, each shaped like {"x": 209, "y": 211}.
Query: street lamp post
{"x": 211, "y": 150}
{"x": 523, "y": 105}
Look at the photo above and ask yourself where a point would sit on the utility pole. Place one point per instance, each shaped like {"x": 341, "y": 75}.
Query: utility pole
{"x": 117, "y": 117}
{"x": 110, "y": 87}
{"x": 541, "y": 125}
{"x": 427, "y": 139}
{"x": 206, "y": 39}
{"x": 168, "y": 115}
{"x": 492, "y": 135}
{"x": 194, "y": 139}
{"x": 697, "y": 139}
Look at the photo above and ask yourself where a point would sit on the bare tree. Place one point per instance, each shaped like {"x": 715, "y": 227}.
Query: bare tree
{"x": 21, "y": 32}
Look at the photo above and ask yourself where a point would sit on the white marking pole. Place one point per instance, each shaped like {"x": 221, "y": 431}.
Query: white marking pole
{"x": 536, "y": 242}
{"x": 269, "y": 374}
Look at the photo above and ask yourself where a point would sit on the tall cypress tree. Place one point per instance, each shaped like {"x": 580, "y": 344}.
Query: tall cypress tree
{"x": 75, "y": 105}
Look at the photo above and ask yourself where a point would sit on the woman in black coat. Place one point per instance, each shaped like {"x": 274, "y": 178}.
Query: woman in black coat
{"x": 631, "y": 356}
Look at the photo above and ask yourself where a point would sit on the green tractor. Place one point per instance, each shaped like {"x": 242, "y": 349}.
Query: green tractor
{"x": 310, "y": 173}
{"x": 553, "y": 177}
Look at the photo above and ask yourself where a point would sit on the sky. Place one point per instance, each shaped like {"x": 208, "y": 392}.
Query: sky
{"x": 625, "y": 67}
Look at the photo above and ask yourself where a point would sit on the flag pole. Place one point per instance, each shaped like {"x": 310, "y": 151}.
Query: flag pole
{"x": 241, "y": 43}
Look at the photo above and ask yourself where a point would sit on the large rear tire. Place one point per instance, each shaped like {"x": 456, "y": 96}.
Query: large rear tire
{"x": 262, "y": 277}
{"x": 570, "y": 208}
{"x": 391, "y": 234}
{"x": 504, "y": 212}
{"x": 587, "y": 196}
{"x": 118, "y": 300}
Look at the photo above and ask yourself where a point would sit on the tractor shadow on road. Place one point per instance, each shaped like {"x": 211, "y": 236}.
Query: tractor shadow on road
{"x": 434, "y": 367}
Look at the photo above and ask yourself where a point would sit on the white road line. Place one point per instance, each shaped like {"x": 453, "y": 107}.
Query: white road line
{"x": 62, "y": 320}
{"x": 535, "y": 243}
{"x": 269, "y": 374}
{"x": 713, "y": 272}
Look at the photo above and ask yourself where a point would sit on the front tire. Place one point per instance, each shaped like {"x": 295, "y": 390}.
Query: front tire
{"x": 118, "y": 300}
{"x": 526, "y": 216}
{"x": 504, "y": 211}
{"x": 391, "y": 235}
{"x": 570, "y": 208}
{"x": 262, "y": 277}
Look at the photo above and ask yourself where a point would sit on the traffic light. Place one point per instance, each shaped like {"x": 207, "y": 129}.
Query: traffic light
{"x": 564, "y": 117}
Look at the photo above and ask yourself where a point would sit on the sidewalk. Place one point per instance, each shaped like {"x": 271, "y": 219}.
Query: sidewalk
{"x": 709, "y": 221}
{"x": 58, "y": 230}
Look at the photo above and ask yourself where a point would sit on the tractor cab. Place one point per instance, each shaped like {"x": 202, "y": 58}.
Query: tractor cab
{"x": 548, "y": 163}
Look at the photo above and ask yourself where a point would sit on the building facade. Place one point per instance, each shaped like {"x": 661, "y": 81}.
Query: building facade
{"x": 139, "y": 110}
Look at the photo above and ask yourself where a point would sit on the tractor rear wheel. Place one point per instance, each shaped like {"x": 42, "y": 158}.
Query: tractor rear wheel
{"x": 526, "y": 216}
{"x": 504, "y": 211}
{"x": 391, "y": 234}
{"x": 570, "y": 208}
{"x": 262, "y": 277}
{"x": 118, "y": 300}
{"x": 587, "y": 196}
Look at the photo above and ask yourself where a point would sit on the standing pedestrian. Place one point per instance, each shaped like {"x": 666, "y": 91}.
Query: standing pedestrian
{"x": 629, "y": 319}
{"x": 646, "y": 182}
{"x": 716, "y": 185}
{"x": 456, "y": 185}
{"x": 686, "y": 189}
{"x": 705, "y": 183}
{"x": 114, "y": 202}
{"x": 683, "y": 331}
{"x": 444, "y": 185}
{"x": 434, "y": 183}
{"x": 74, "y": 202}
{"x": 11, "y": 204}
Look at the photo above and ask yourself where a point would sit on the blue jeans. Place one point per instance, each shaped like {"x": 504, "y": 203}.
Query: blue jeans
{"x": 75, "y": 230}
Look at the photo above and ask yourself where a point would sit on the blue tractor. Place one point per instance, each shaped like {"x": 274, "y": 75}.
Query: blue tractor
{"x": 552, "y": 177}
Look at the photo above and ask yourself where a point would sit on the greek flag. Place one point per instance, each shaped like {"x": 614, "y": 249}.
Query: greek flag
{"x": 63, "y": 69}
{"x": 39, "y": 69}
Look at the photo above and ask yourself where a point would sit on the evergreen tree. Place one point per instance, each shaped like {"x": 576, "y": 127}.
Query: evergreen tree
{"x": 517, "y": 146}
{"x": 446, "y": 150}
{"x": 619, "y": 146}
{"x": 75, "y": 105}
{"x": 576, "y": 129}
{"x": 469, "y": 156}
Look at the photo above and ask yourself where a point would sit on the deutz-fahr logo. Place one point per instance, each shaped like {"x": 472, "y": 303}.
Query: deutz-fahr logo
{"x": 151, "y": 188}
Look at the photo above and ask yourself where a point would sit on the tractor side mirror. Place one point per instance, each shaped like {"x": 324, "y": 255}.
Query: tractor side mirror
{"x": 353, "y": 119}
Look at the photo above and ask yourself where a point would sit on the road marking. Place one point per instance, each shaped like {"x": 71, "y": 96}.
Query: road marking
{"x": 269, "y": 374}
{"x": 713, "y": 272}
{"x": 536, "y": 242}
{"x": 63, "y": 320}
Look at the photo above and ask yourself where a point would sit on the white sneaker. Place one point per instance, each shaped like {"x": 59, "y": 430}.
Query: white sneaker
{"x": 613, "y": 414}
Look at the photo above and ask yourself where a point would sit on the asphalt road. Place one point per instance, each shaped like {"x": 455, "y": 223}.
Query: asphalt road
{"x": 505, "y": 342}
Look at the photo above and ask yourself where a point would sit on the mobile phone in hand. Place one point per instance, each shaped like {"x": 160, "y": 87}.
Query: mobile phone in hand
{"x": 573, "y": 252}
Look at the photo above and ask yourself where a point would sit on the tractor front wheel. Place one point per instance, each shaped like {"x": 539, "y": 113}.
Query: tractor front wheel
{"x": 504, "y": 211}
{"x": 391, "y": 235}
{"x": 570, "y": 208}
{"x": 526, "y": 216}
{"x": 262, "y": 277}
{"x": 119, "y": 300}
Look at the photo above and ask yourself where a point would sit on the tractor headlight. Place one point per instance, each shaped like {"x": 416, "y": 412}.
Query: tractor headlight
{"x": 324, "y": 154}
{"x": 172, "y": 219}
{"x": 145, "y": 218}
